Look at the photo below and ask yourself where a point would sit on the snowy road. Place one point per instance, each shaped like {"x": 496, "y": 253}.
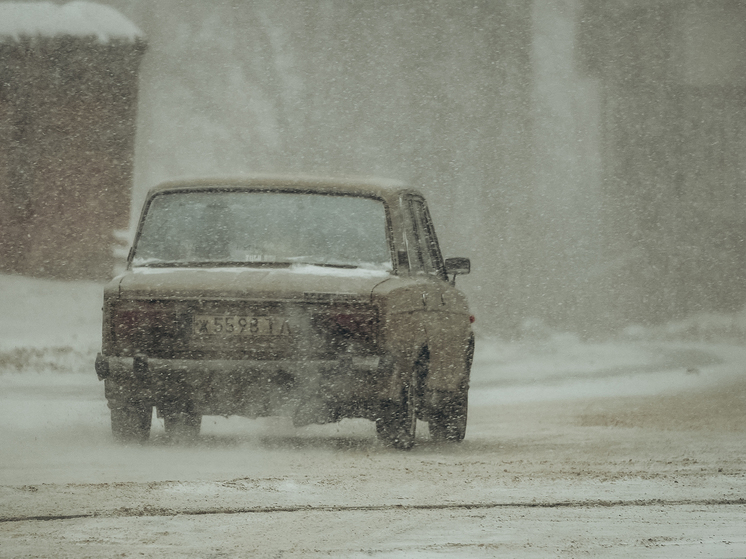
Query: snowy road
{"x": 617, "y": 449}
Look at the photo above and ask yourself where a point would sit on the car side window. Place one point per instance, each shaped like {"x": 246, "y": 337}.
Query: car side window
{"x": 427, "y": 252}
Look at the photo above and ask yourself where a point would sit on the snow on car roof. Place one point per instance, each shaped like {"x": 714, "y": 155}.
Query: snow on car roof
{"x": 77, "y": 19}
{"x": 378, "y": 187}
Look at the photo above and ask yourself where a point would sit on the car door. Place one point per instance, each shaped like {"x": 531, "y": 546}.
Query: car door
{"x": 445, "y": 315}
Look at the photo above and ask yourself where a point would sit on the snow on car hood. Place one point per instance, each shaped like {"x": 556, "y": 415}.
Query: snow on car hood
{"x": 295, "y": 282}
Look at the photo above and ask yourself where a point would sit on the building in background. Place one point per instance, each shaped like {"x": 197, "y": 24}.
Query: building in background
{"x": 68, "y": 103}
{"x": 672, "y": 121}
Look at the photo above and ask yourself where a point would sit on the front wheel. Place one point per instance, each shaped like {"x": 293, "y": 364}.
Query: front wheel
{"x": 447, "y": 420}
{"x": 131, "y": 421}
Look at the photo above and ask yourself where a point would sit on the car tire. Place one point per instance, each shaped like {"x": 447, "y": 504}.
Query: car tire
{"x": 397, "y": 421}
{"x": 182, "y": 426}
{"x": 131, "y": 421}
{"x": 447, "y": 424}
{"x": 447, "y": 421}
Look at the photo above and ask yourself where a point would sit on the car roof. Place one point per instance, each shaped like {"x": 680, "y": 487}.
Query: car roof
{"x": 386, "y": 189}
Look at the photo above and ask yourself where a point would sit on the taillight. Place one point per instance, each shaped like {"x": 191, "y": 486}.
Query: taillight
{"x": 138, "y": 326}
{"x": 351, "y": 325}
{"x": 127, "y": 323}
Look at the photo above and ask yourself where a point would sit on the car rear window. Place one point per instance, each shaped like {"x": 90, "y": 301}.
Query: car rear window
{"x": 224, "y": 228}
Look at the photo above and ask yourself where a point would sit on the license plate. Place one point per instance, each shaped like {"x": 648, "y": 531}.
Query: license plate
{"x": 235, "y": 325}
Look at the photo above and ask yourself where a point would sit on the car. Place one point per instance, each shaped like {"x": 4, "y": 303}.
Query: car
{"x": 317, "y": 299}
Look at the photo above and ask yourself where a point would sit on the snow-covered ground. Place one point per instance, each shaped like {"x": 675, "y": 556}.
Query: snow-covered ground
{"x": 628, "y": 447}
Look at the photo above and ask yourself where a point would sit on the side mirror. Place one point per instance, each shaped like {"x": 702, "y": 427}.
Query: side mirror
{"x": 458, "y": 267}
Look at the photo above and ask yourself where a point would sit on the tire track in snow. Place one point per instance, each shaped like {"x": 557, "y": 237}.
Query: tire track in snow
{"x": 159, "y": 511}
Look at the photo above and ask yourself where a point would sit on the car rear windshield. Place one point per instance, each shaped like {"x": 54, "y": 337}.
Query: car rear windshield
{"x": 227, "y": 228}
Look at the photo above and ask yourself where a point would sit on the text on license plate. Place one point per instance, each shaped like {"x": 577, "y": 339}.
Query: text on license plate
{"x": 235, "y": 325}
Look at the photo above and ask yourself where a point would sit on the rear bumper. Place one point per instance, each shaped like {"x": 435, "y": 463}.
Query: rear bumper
{"x": 310, "y": 391}
{"x": 144, "y": 368}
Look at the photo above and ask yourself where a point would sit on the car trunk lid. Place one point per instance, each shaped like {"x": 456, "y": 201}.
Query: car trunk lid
{"x": 298, "y": 282}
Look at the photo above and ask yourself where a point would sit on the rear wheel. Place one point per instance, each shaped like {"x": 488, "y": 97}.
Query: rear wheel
{"x": 131, "y": 421}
